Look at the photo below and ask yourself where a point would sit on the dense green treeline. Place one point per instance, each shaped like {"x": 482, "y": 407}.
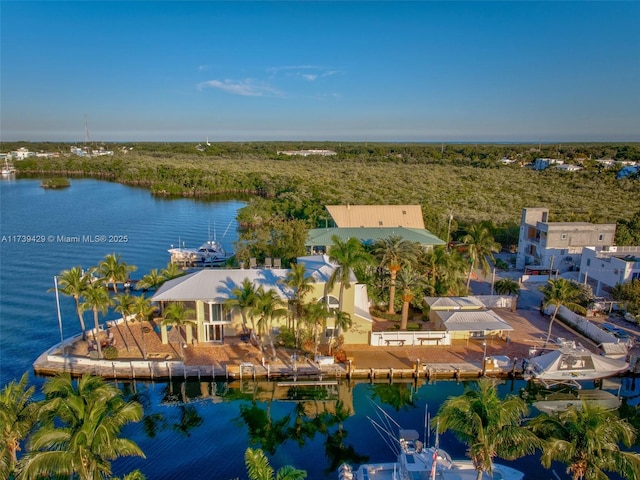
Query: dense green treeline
{"x": 463, "y": 180}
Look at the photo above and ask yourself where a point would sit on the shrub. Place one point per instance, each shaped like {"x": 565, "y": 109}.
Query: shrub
{"x": 413, "y": 326}
{"x": 110, "y": 353}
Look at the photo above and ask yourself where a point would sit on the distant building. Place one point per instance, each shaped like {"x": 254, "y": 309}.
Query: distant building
{"x": 568, "y": 167}
{"x": 557, "y": 245}
{"x": 544, "y": 163}
{"x": 306, "y": 153}
{"x": 21, "y": 154}
{"x": 604, "y": 267}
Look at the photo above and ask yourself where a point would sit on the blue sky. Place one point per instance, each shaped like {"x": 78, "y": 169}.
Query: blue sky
{"x": 302, "y": 70}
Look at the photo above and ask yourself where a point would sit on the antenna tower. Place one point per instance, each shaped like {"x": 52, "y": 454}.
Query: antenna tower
{"x": 86, "y": 129}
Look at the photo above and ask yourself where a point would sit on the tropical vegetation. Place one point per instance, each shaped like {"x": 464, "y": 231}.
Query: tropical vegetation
{"x": 75, "y": 431}
{"x": 587, "y": 439}
{"x": 488, "y": 425}
{"x": 560, "y": 293}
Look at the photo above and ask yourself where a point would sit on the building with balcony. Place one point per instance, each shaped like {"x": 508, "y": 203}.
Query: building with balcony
{"x": 557, "y": 245}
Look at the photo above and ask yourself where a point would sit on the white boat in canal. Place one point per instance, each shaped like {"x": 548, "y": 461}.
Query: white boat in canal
{"x": 417, "y": 462}
{"x": 561, "y": 401}
{"x": 571, "y": 364}
{"x": 210, "y": 253}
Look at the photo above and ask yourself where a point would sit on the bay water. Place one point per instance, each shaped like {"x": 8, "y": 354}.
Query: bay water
{"x": 194, "y": 430}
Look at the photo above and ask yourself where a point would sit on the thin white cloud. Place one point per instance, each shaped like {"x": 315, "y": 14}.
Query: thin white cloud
{"x": 245, "y": 88}
{"x": 306, "y": 72}
{"x": 202, "y": 68}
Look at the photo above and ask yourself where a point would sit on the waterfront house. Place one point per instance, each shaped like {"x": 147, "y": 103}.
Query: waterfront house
{"x": 206, "y": 291}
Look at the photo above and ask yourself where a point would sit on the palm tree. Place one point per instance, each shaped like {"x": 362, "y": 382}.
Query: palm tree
{"x": 177, "y": 315}
{"x": 172, "y": 271}
{"x": 114, "y": 270}
{"x": 268, "y": 307}
{"x": 507, "y": 286}
{"x": 411, "y": 284}
{"x": 142, "y": 310}
{"x": 258, "y": 468}
{"x": 79, "y": 436}
{"x": 560, "y": 292}
{"x": 18, "y": 415}
{"x": 587, "y": 439}
{"x": 480, "y": 246}
{"x": 393, "y": 253}
{"x": 96, "y": 298}
{"x": 315, "y": 315}
{"x": 445, "y": 271}
{"x": 301, "y": 284}
{"x": 347, "y": 255}
{"x": 489, "y": 426}
{"x": 151, "y": 281}
{"x": 243, "y": 299}
{"x": 124, "y": 306}
{"x": 73, "y": 283}
{"x": 343, "y": 321}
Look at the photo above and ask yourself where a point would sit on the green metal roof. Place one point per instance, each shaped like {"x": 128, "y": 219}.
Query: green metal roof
{"x": 321, "y": 237}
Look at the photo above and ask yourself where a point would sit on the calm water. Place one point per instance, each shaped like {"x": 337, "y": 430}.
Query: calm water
{"x": 193, "y": 431}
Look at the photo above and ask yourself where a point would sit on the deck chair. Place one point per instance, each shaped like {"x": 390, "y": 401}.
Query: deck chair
{"x": 267, "y": 262}
{"x": 252, "y": 262}
{"x": 277, "y": 263}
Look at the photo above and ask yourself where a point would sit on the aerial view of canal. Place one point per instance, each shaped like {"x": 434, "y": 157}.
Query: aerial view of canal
{"x": 198, "y": 429}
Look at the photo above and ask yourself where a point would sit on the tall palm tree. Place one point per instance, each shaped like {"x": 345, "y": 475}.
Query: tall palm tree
{"x": 178, "y": 316}
{"x": 348, "y": 255}
{"x": 113, "y": 270}
{"x": 301, "y": 284}
{"x": 18, "y": 415}
{"x": 489, "y": 426}
{"x": 124, "y": 306}
{"x": 151, "y": 281}
{"x": 258, "y": 468}
{"x": 480, "y": 247}
{"x": 507, "y": 286}
{"x": 268, "y": 307}
{"x": 393, "y": 253}
{"x": 560, "y": 292}
{"x": 142, "y": 310}
{"x": 97, "y": 299}
{"x": 343, "y": 321}
{"x": 80, "y": 430}
{"x": 587, "y": 439}
{"x": 315, "y": 315}
{"x": 411, "y": 283}
{"x": 243, "y": 299}
{"x": 73, "y": 283}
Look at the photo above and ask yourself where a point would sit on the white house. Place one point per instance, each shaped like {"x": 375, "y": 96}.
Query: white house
{"x": 604, "y": 267}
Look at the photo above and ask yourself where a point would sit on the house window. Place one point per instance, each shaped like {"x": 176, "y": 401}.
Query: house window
{"x": 588, "y": 262}
{"x": 563, "y": 236}
{"x": 380, "y": 222}
{"x": 331, "y": 301}
{"x": 601, "y": 237}
{"x": 329, "y": 332}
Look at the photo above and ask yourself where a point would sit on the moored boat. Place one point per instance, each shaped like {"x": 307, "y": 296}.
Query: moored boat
{"x": 571, "y": 364}
{"x": 417, "y": 462}
{"x": 209, "y": 253}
